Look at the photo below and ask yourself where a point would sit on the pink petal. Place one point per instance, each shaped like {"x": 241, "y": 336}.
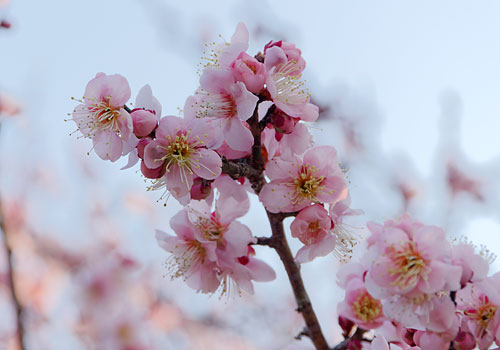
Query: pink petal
{"x": 84, "y": 120}
{"x": 335, "y": 189}
{"x": 144, "y": 122}
{"x": 216, "y": 80}
{"x": 279, "y": 169}
{"x": 153, "y": 153}
{"x": 240, "y": 35}
{"x": 108, "y": 145}
{"x": 275, "y": 197}
{"x": 206, "y": 164}
{"x": 104, "y": 86}
{"x": 309, "y": 113}
{"x": 245, "y": 100}
{"x": 168, "y": 126}
{"x": 263, "y": 108}
{"x": 274, "y": 57}
{"x": 125, "y": 124}
{"x": 260, "y": 271}
{"x": 237, "y": 136}
{"x": 146, "y": 100}
{"x": 133, "y": 158}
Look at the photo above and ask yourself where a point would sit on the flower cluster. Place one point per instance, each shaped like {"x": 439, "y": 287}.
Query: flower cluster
{"x": 419, "y": 291}
{"x": 241, "y": 101}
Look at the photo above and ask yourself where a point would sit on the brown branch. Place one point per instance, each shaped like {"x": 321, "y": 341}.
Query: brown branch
{"x": 11, "y": 284}
{"x": 304, "y": 306}
{"x": 237, "y": 170}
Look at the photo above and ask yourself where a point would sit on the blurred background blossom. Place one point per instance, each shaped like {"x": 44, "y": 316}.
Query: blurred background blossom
{"x": 408, "y": 94}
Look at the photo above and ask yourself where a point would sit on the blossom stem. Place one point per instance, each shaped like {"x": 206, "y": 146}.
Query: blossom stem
{"x": 11, "y": 284}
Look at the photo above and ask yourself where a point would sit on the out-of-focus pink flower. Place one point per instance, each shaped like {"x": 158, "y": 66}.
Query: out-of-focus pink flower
{"x": 314, "y": 178}
{"x": 312, "y": 227}
{"x": 102, "y": 118}
{"x": 180, "y": 149}
{"x": 8, "y": 106}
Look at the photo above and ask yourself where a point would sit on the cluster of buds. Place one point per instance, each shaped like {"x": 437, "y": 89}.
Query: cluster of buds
{"x": 419, "y": 291}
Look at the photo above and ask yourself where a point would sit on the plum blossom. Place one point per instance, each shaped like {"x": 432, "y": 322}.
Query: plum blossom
{"x": 314, "y": 177}
{"x": 360, "y": 307}
{"x": 179, "y": 151}
{"x": 410, "y": 258}
{"x": 285, "y": 87}
{"x": 312, "y": 227}
{"x": 249, "y": 71}
{"x": 211, "y": 250}
{"x": 102, "y": 117}
{"x": 222, "y": 55}
{"x": 226, "y": 104}
{"x": 479, "y": 303}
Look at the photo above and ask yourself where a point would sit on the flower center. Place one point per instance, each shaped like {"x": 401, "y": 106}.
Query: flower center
{"x": 408, "y": 265}
{"x": 211, "y": 228}
{"x": 482, "y": 314}
{"x": 306, "y": 184}
{"x": 105, "y": 115}
{"x": 178, "y": 151}
{"x": 220, "y": 105}
{"x": 366, "y": 308}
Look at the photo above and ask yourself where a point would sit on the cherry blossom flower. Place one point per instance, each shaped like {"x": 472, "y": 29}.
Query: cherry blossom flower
{"x": 249, "y": 71}
{"x": 285, "y": 87}
{"x": 180, "y": 150}
{"x": 226, "y": 104}
{"x": 314, "y": 178}
{"x": 102, "y": 117}
{"x": 479, "y": 303}
{"x": 411, "y": 257}
{"x": 312, "y": 227}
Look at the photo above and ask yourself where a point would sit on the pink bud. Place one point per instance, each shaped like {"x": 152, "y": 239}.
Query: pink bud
{"x": 283, "y": 123}
{"x": 152, "y": 173}
{"x": 464, "y": 341}
{"x": 141, "y": 145}
{"x": 144, "y": 122}
{"x": 249, "y": 71}
{"x": 346, "y": 324}
{"x": 201, "y": 189}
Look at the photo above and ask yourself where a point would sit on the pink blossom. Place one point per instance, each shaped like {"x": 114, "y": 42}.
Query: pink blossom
{"x": 192, "y": 259}
{"x": 292, "y": 53}
{"x": 360, "y": 307}
{"x": 285, "y": 87}
{"x": 312, "y": 227}
{"x": 313, "y": 178}
{"x": 479, "y": 303}
{"x": 250, "y": 72}
{"x": 180, "y": 149}
{"x": 226, "y": 104}
{"x": 410, "y": 258}
{"x": 101, "y": 116}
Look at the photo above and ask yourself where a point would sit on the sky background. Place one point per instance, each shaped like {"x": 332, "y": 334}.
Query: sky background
{"x": 421, "y": 79}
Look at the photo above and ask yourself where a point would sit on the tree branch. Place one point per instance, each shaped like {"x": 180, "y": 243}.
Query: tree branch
{"x": 11, "y": 284}
{"x": 304, "y": 306}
